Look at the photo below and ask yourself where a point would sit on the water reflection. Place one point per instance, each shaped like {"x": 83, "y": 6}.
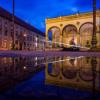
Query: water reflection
{"x": 77, "y": 72}
{"x": 14, "y": 70}
{"x": 81, "y": 72}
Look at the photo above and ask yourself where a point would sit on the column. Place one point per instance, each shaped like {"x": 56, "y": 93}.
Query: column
{"x": 94, "y": 39}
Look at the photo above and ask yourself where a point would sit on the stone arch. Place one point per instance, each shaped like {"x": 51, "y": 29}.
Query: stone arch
{"x": 53, "y": 71}
{"x": 69, "y": 73}
{"x": 69, "y": 70}
{"x": 86, "y": 30}
{"x": 69, "y": 35}
{"x": 54, "y": 33}
{"x": 86, "y": 69}
{"x": 86, "y": 75}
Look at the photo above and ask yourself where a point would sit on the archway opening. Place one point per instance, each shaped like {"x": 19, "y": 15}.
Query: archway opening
{"x": 70, "y": 36}
{"x": 54, "y": 37}
{"x": 86, "y": 31}
{"x": 53, "y": 70}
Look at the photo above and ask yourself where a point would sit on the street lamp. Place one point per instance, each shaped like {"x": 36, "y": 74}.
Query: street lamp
{"x": 94, "y": 39}
{"x": 36, "y": 42}
{"x": 13, "y": 21}
{"x": 25, "y": 35}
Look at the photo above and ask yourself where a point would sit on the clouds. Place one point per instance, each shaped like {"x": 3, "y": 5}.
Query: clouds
{"x": 36, "y": 11}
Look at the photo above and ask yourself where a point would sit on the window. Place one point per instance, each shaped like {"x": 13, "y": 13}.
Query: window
{"x": 6, "y": 23}
{"x": 5, "y": 43}
{"x": 0, "y": 26}
{"x": 16, "y": 34}
{"x": 6, "y": 32}
{"x": 5, "y": 27}
{"x": 16, "y": 41}
{"x": 30, "y": 38}
{"x": 33, "y": 39}
{"x": 24, "y": 43}
{"x": 27, "y": 38}
{"x": 11, "y": 32}
{"x": 11, "y": 29}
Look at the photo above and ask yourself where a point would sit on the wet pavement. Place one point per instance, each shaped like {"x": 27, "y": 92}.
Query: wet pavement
{"x": 51, "y": 77}
{"x": 47, "y": 53}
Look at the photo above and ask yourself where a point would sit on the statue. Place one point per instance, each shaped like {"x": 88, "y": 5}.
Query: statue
{"x": 72, "y": 42}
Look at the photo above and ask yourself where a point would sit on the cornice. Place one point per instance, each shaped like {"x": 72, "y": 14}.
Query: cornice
{"x": 72, "y": 17}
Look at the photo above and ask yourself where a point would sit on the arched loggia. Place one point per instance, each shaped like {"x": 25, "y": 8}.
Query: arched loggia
{"x": 86, "y": 31}
{"x": 69, "y": 69}
{"x": 53, "y": 70}
{"x": 69, "y": 35}
{"x": 54, "y": 36}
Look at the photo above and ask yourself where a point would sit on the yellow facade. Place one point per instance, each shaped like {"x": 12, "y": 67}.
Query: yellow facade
{"x": 78, "y": 27}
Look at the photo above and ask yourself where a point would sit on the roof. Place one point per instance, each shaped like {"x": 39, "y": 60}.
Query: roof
{"x": 8, "y": 15}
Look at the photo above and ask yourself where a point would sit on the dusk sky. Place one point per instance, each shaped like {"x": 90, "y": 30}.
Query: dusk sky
{"x": 36, "y": 11}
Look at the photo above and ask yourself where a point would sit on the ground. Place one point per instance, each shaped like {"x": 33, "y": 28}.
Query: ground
{"x": 47, "y": 53}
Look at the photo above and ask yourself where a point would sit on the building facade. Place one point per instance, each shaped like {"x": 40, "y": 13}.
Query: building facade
{"x": 26, "y": 37}
{"x": 74, "y": 29}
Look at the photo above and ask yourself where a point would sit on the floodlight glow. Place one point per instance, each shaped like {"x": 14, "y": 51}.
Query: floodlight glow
{"x": 67, "y": 44}
{"x": 68, "y": 58}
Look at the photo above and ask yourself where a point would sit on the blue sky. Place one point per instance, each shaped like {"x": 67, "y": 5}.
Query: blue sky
{"x": 36, "y": 11}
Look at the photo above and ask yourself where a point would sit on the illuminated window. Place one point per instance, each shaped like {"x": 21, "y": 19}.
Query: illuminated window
{"x": 5, "y": 44}
{"x": 36, "y": 44}
{"x": 10, "y": 44}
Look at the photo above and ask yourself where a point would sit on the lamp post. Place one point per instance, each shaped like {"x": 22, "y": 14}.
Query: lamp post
{"x": 13, "y": 25}
{"x": 36, "y": 43}
{"x": 94, "y": 39}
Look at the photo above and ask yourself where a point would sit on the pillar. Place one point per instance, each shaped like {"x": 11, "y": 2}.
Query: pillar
{"x": 94, "y": 39}
{"x": 46, "y": 41}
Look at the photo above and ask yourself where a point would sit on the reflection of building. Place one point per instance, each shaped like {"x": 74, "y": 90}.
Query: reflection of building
{"x": 78, "y": 27}
{"x": 78, "y": 72}
{"x": 25, "y": 34}
{"x": 15, "y": 70}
